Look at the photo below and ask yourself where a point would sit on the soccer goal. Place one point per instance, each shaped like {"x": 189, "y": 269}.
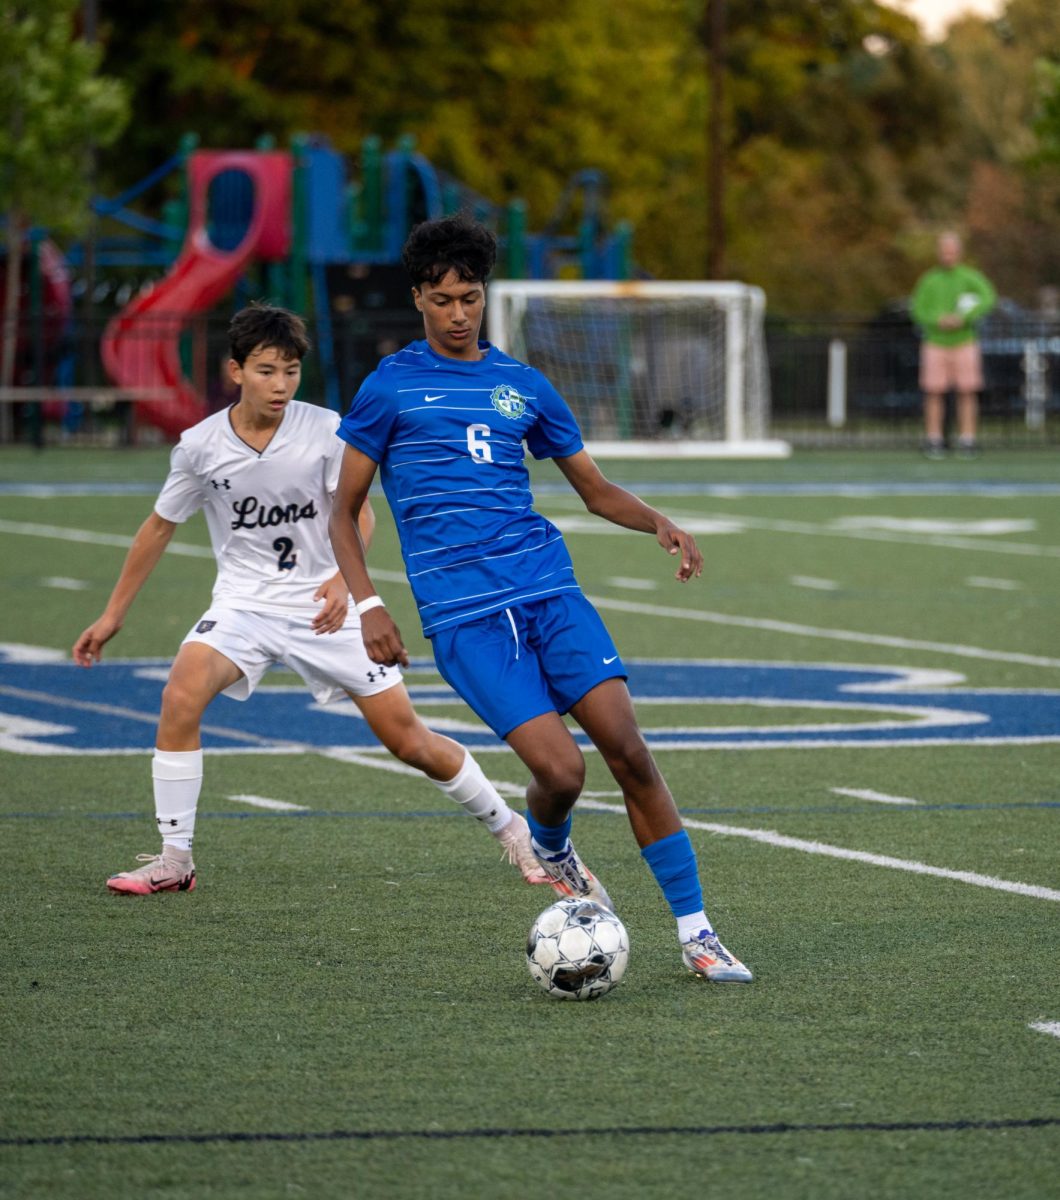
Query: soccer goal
{"x": 649, "y": 369}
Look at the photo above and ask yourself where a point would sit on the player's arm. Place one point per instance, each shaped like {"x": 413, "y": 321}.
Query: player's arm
{"x": 606, "y": 499}
{"x": 382, "y": 638}
{"x": 333, "y": 592}
{"x": 148, "y": 546}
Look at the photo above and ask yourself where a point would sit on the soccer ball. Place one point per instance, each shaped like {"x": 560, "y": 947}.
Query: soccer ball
{"x": 577, "y": 949}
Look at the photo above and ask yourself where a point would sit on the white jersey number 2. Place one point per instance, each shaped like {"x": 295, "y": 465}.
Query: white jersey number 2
{"x": 479, "y": 450}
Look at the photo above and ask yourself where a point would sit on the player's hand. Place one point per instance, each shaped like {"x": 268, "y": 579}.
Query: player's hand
{"x": 676, "y": 542}
{"x": 88, "y": 648}
{"x": 950, "y": 321}
{"x": 332, "y": 615}
{"x": 382, "y": 639}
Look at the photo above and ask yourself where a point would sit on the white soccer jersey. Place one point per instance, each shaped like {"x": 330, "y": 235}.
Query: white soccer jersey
{"x": 267, "y": 512}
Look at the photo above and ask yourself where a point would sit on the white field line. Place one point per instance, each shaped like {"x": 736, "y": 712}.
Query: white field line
{"x": 952, "y": 541}
{"x": 186, "y": 549}
{"x": 770, "y": 838}
{"x": 513, "y": 789}
{"x": 811, "y": 581}
{"x": 265, "y": 802}
{"x": 632, "y": 583}
{"x": 843, "y": 635}
{"x": 65, "y": 583}
{"x": 1001, "y": 585}
{"x": 1050, "y": 1027}
{"x": 869, "y": 794}
{"x": 836, "y": 635}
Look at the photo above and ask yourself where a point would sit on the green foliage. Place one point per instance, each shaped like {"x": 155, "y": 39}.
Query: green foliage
{"x": 56, "y": 107}
{"x": 1047, "y": 125}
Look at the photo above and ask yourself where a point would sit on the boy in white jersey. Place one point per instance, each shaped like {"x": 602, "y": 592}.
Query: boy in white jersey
{"x": 444, "y": 421}
{"x": 265, "y": 472}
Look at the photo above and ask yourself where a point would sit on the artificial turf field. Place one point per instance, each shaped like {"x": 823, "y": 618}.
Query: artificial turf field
{"x": 341, "y": 1007}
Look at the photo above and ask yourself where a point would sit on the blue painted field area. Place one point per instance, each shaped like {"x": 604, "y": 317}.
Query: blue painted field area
{"x": 57, "y": 708}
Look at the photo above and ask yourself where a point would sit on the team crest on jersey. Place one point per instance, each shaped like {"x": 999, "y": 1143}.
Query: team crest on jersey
{"x": 507, "y": 401}
{"x": 205, "y": 626}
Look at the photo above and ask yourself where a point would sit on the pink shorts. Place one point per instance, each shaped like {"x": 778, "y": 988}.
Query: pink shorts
{"x": 945, "y": 367}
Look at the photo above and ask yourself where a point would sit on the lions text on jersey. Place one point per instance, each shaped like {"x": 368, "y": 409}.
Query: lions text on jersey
{"x": 267, "y": 512}
{"x": 448, "y": 435}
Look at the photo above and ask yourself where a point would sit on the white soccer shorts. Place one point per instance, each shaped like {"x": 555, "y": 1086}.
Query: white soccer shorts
{"x": 330, "y": 663}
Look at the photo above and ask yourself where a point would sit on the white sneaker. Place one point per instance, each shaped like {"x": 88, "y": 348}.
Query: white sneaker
{"x": 515, "y": 838}
{"x": 704, "y": 955}
{"x": 569, "y": 876}
{"x": 170, "y": 871}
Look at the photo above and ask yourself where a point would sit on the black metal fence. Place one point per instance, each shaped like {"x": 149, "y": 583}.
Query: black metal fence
{"x": 834, "y": 381}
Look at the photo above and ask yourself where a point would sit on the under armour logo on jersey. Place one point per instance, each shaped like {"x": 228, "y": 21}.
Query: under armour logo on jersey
{"x": 373, "y": 675}
{"x": 223, "y": 484}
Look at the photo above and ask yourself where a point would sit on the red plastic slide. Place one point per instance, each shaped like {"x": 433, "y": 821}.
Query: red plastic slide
{"x": 141, "y": 345}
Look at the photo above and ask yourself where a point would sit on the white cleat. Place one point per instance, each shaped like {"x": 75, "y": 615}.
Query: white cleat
{"x": 704, "y": 955}
{"x": 515, "y": 838}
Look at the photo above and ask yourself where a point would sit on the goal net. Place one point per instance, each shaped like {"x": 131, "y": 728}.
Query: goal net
{"x": 649, "y": 369}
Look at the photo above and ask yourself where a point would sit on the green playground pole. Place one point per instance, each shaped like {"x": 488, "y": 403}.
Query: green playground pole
{"x": 370, "y": 235}
{"x": 623, "y": 250}
{"x": 516, "y": 249}
{"x": 175, "y": 211}
{"x": 450, "y": 199}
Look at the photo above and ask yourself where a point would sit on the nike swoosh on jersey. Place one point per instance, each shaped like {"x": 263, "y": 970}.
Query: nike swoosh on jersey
{"x": 428, "y": 399}
{"x": 609, "y": 661}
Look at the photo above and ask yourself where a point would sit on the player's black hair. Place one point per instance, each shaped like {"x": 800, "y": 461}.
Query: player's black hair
{"x": 267, "y": 326}
{"x": 434, "y": 248}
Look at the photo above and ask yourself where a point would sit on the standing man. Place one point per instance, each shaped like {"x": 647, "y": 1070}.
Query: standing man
{"x": 265, "y": 470}
{"x": 445, "y": 420}
{"x": 948, "y": 303}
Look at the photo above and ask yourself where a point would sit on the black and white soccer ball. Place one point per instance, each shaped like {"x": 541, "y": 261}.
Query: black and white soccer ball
{"x": 577, "y": 949}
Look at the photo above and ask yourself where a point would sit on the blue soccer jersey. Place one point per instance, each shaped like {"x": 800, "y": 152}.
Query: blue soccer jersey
{"x": 448, "y": 437}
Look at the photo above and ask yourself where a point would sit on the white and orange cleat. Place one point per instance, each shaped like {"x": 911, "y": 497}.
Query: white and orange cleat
{"x": 170, "y": 871}
{"x": 515, "y": 838}
{"x": 569, "y": 876}
{"x": 704, "y": 955}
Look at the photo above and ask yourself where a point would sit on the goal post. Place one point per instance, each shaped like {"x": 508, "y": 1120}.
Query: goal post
{"x": 650, "y": 369}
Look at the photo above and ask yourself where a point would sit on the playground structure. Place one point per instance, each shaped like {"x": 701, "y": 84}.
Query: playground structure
{"x": 277, "y": 224}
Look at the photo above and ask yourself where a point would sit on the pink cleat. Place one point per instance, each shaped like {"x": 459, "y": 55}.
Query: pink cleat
{"x": 170, "y": 871}
{"x": 515, "y": 838}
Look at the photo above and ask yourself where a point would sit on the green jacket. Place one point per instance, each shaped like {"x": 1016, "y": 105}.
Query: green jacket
{"x": 960, "y": 290}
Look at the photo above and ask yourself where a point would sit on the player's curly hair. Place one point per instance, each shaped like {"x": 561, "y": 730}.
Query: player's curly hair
{"x": 433, "y": 248}
{"x": 267, "y": 326}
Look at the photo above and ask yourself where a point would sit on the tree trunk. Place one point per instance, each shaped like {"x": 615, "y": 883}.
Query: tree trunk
{"x": 9, "y": 341}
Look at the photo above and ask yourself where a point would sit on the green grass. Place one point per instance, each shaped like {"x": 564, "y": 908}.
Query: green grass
{"x": 353, "y": 977}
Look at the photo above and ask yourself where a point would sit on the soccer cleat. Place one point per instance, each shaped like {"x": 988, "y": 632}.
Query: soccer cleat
{"x": 170, "y": 871}
{"x": 704, "y": 955}
{"x": 569, "y": 876}
{"x": 967, "y": 448}
{"x": 933, "y": 449}
{"x": 515, "y": 838}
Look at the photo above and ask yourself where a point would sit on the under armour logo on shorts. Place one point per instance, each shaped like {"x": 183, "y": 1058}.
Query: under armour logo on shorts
{"x": 205, "y": 626}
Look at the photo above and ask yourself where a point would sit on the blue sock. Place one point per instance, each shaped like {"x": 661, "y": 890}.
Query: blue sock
{"x": 552, "y": 838}
{"x": 673, "y": 863}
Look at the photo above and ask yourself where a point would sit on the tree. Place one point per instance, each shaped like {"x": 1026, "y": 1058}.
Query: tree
{"x": 55, "y": 108}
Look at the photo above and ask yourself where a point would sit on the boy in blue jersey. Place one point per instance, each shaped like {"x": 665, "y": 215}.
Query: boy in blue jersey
{"x": 444, "y": 421}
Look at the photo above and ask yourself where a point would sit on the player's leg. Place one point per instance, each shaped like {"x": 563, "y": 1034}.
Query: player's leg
{"x": 451, "y": 768}
{"x": 557, "y": 769}
{"x": 198, "y": 674}
{"x": 606, "y": 714}
{"x": 490, "y": 665}
{"x": 968, "y": 382}
{"x": 934, "y": 374}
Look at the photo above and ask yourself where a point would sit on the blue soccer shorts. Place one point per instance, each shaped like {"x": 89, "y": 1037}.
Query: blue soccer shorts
{"x": 516, "y": 664}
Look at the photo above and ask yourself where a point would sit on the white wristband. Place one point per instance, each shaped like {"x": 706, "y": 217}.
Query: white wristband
{"x": 372, "y": 602}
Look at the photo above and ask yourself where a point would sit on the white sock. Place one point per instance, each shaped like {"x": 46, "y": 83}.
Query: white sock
{"x": 470, "y": 788}
{"x": 177, "y": 776}
{"x": 688, "y": 927}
